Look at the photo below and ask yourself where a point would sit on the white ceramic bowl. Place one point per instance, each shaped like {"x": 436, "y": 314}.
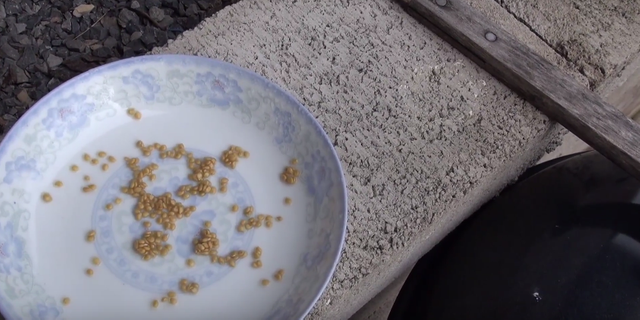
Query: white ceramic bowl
{"x": 208, "y": 105}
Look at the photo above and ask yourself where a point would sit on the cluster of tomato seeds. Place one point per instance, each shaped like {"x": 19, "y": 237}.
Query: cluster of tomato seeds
{"x": 166, "y": 210}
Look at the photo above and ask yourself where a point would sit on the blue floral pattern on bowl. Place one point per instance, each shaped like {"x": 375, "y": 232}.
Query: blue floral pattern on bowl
{"x": 11, "y": 250}
{"x": 21, "y": 168}
{"x": 57, "y": 120}
{"x": 145, "y": 82}
{"x": 70, "y": 115}
{"x": 45, "y": 311}
{"x": 218, "y": 89}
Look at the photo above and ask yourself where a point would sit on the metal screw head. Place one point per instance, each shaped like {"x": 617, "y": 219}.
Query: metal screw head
{"x": 490, "y": 36}
{"x": 441, "y": 3}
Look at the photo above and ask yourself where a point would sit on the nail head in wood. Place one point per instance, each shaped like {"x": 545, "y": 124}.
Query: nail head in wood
{"x": 490, "y": 36}
{"x": 441, "y": 3}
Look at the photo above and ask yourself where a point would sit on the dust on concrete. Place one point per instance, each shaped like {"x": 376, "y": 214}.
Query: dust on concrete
{"x": 420, "y": 130}
{"x": 600, "y": 37}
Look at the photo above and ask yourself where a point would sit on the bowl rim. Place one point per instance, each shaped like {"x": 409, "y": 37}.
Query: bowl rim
{"x": 42, "y": 102}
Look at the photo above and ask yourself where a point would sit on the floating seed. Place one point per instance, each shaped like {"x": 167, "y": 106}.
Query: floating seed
{"x": 279, "y": 218}
{"x": 278, "y": 275}
{"x": 287, "y": 201}
{"x": 206, "y": 243}
{"x": 46, "y": 197}
{"x": 231, "y": 156}
{"x": 257, "y": 253}
{"x": 111, "y": 159}
{"x": 191, "y": 263}
{"x": 174, "y": 300}
{"x": 164, "y": 299}
{"x": 105, "y": 167}
{"x": 234, "y": 208}
{"x": 75, "y": 168}
{"x": 58, "y": 184}
{"x": 91, "y": 235}
{"x": 152, "y": 244}
{"x": 137, "y": 115}
{"x": 207, "y": 224}
{"x": 172, "y": 294}
{"x": 155, "y": 303}
{"x": 109, "y": 206}
{"x": 131, "y": 111}
{"x": 102, "y": 154}
{"x": 265, "y": 282}
{"x": 94, "y": 161}
{"x": 189, "y": 287}
{"x": 89, "y": 272}
{"x": 290, "y": 175}
{"x": 257, "y": 264}
{"x": 89, "y": 188}
{"x": 118, "y": 201}
{"x": 294, "y": 161}
{"x": 66, "y": 301}
{"x": 146, "y": 224}
{"x": 86, "y": 157}
{"x": 96, "y": 261}
{"x": 86, "y": 178}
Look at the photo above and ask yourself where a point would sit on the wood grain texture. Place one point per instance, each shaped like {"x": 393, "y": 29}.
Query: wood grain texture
{"x": 541, "y": 83}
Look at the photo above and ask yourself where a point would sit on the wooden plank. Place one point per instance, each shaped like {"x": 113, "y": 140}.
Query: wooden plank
{"x": 544, "y": 85}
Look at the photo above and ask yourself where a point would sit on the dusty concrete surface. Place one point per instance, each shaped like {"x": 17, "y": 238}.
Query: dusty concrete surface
{"x": 599, "y": 36}
{"x": 424, "y": 135}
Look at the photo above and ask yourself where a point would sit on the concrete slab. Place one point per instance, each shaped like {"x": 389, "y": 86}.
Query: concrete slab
{"x": 599, "y": 36}
{"x": 424, "y": 135}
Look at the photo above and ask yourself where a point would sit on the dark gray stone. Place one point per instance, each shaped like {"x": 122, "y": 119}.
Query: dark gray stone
{"x": 12, "y": 7}
{"x": 125, "y": 37}
{"x": 56, "y": 42}
{"x": 102, "y": 52}
{"x": 53, "y": 61}
{"x": 162, "y": 38}
{"x": 127, "y": 16}
{"x": 21, "y": 27}
{"x": 135, "y": 4}
{"x": 41, "y": 67}
{"x": 192, "y": 10}
{"x": 152, "y": 3}
{"x": 74, "y": 45}
{"x": 149, "y": 37}
{"x": 137, "y": 46}
{"x": 3, "y": 12}
{"x": 7, "y": 51}
{"x": 66, "y": 25}
{"x": 63, "y": 74}
{"x": 18, "y": 74}
{"x": 135, "y": 36}
{"x": 109, "y": 22}
{"x": 53, "y": 83}
{"x": 75, "y": 26}
{"x": 156, "y": 14}
{"x": 132, "y": 27}
{"x": 166, "y": 22}
{"x": 110, "y": 42}
{"x": 27, "y": 58}
{"x": 23, "y": 39}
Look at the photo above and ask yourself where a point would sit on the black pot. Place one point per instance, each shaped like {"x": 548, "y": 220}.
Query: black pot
{"x": 561, "y": 243}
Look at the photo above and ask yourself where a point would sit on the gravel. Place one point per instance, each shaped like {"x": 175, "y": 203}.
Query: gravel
{"x": 44, "y": 43}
